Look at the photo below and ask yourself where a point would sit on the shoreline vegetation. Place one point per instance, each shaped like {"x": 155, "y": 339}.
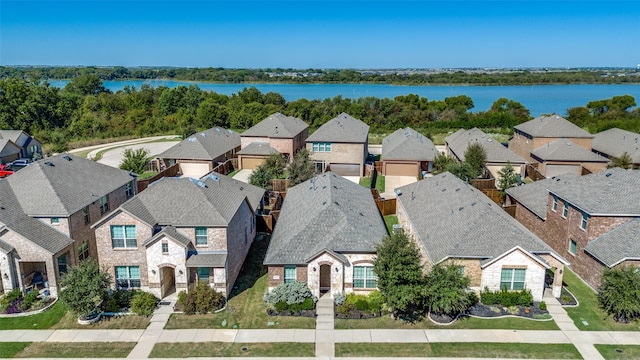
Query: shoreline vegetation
{"x": 85, "y": 111}
{"x": 424, "y": 77}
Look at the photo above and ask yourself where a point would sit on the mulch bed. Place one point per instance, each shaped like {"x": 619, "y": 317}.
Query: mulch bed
{"x": 491, "y": 311}
{"x": 566, "y": 298}
{"x": 303, "y": 313}
{"x": 357, "y": 314}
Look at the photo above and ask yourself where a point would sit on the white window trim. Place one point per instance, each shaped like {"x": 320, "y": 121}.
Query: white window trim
{"x": 364, "y": 279}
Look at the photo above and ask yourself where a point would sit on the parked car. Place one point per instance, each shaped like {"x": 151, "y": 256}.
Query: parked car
{"x": 18, "y": 164}
{"x": 5, "y": 171}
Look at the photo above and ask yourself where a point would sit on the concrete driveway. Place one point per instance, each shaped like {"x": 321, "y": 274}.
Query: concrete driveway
{"x": 243, "y": 175}
{"x": 393, "y": 182}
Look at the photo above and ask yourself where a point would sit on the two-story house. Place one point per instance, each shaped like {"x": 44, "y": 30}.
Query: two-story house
{"x": 615, "y": 142}
{"x": 67, "y": 194}
{"x": 591, "y": 220}
{"x": 179, "y": 231}
{"x": 406, "y": 152}
{"x": 275, "y": 134}
{"x": 28, "y": 146}
{"x": 340, "y": 145}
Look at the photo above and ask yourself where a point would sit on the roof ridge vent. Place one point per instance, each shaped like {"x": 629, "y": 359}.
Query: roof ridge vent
{"x": 49, "y": 163}
{"x": 67, "y": 157}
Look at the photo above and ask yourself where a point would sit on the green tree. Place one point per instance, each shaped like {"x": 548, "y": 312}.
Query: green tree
{"x": 135, "y": 161}
{"x": 624, "y": 161}
{"x": 400, "y": 277}
{"x": 301, "y": 168}
{"x": 441, "y": 162}
{"x": 619, "y": 293}
{"x": 272, "y": 168}
{"x": 87, "y": 84}
{"x": 84, "y": 287}
{"x": 447, "y": 290}
{"x": 476, "y": 157}
{"x": 507, "y": 178}
{"x": 462, "y": 170}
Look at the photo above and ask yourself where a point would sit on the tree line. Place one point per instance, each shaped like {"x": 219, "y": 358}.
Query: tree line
{"x": 341, "y": 76}
{"x": 84, "y": 109}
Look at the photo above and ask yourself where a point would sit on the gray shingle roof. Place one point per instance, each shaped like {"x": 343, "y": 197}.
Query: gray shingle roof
{"x": 617, "y": 245}
{"x": 12, "y": 217}
{"x": 277, "y": 126}
{"x": 608, "y": 192}
{"x": 187, "y": 202}
{"x": 171, "y": 232}
{"x": 258, "y": 148}
{"x": 615, "y": 142}
{"x": 326, "y": 212}
{"x": 5, "y": 247}
{"x": 553, "y": 126}
{"x": 253, "y": 193}
{"x": 535, "y": 196}
{"x": 13, "y": 135}
{"x": 496, "y": 153}
{"x": 408, "y": 144}
{"x": 565, "y": 150}
{"x": 454, "y": 219}
{"x": 341, "y": 129}
{"x": 7, "y": 147}
{"x": 217, "y": 260}
{"x": 205, "y": 145}
{"x": 66, "y": 187}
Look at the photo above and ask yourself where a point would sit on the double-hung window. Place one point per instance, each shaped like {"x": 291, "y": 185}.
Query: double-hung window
{"x": 104, "y": 204}
{"x": 55, "y": 221}
{"x": 201, "y": 236}
{"x": 203, "y": 274}
{"x": 573, "y": 247}
{"x": 555, "y": 203}
{"x": 364, "y": 277}
{"x": 512, "y": 279}
{"x": 583, "y": 224}
{"x": 127, "y": 277}
{"x": 321, "y": 147}
{"x": 128, "y": 190}
{"x": 289, "y": 274}
{"x": 123, "y": 236}
{"x": 565, "y": 209}
{"x": 85, "y": 214}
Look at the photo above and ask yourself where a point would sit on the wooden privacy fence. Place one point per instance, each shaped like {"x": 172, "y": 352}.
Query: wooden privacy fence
{"x": 226, "y": 167}
{"x": 483, "y": 184}
{"x": 279, "y": 184}
{"x": 171, "y": 171}
{"x": 386, "y": 206}
{"x": 494, "y": 195}
{"x": 511, "y": 210}
{"x": 533, "y": 173}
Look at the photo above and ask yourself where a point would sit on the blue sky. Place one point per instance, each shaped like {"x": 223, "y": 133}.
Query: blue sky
{"x": 314, "y": 34}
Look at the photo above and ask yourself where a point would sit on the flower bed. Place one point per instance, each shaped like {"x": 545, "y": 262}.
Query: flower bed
{"x": 494, "y": 311}
{"x": 567, "y": 298}
{"x": 14, "y": 302}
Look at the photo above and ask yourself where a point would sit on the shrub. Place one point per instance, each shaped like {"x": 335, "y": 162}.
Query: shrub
{"x": 376, "y": 300}
{"x": 143, "y": 303}
{"x": 619, "y": 293}
{"x": 8, "y": 298}
{"x": 28, "y": 300}
{"x": 307, "y": 304}
{"x": 542, "y": 305}
{"x": 291, "y": 293}
{"x": 507, "y": 298}
{"x": 281, "y": 306}
{"x": 203, "y": 299}
{"x": 84, "y": 287}
{"x": 339, "y": 298}
{"x": 345, "y": 308}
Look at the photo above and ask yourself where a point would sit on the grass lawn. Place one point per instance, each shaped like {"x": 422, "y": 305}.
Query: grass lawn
{"x": 588, "y": 310}
{"x": 233, "y": 173}
{"x": 77, "y": 350}
{"x": 10, "y": 349}
{"x": 612, "y": 352}
{"x": 390, "y": 220}
{"x": 380, "y": 183}
{"x": 69, "y": 321}
{"x": 386, "y": 322}
{"x": 220, "y": 349}
{"x": 485, "y": 350}
{"x": 147, "y": 174}
{"x": 245, "y": 309}
{"x": 43, "y": 320}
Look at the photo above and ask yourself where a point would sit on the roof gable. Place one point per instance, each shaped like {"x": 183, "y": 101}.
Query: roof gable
{"x": 565, "y": 150}
{"x": 8, "y": 147}
{"x": 408, "y": 144}
{"x": 327, "y": 212}
{"x": 342, "y": 129}
{"x": 553, "y": 126}
{"x": 453, "y": 219}
{"x": 617, "y": 245}
{"x": 535, "y": 196}
{"x": 63, "y": 184}
{"x": 277, "y": 126}
{"x": 615, "y": 142}
{"x": 206, "y": 145}
{"x": 460, "y": 141}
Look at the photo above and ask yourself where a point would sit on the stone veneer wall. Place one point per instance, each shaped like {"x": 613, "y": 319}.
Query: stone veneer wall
{"x": 534, "y": 276}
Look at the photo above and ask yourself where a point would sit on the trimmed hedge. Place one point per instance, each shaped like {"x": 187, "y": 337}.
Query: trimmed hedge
{"x": 507, "y": 298}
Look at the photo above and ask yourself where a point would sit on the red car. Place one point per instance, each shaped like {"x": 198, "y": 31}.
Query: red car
{"x": 4, "y": 171}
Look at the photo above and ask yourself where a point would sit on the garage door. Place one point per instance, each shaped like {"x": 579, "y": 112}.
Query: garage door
{"x": 401, "y": 169}
{"x": 554, "y": 170}
{"x": 250, "y": 162}
{"x": 345, "y": 169}
{"x": 194, "y": 170}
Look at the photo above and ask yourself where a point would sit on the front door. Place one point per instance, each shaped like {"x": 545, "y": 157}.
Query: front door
{"x": 325, "y": 278}
{"x": 167, "y": 281}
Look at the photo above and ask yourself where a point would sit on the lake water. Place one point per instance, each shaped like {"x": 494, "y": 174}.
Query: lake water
{"x": 539, "y": 99}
